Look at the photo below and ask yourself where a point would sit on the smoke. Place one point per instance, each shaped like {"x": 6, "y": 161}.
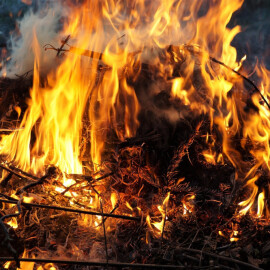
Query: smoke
{"x": 45, "y": 23}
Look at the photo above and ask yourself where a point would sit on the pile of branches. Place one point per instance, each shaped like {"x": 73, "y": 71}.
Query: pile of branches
{"x": 200, "y": 216}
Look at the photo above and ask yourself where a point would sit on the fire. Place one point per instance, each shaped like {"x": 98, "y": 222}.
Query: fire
{"x": 60, "y": 105}
{"x": 157, "y": 227}
{"x": 13, "y": 223}
{"x": 6, "y": 265}
{"x": 261, "y": 198}
{"x": 48, "y": 266}
{"x": 114, "y": 200}
{"x": 92, "y": 91}
{"x": 26, "y": 265}
{"x": 187, "y": 202}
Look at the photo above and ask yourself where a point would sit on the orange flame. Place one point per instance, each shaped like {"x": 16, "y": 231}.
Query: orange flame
{"x": 13, "y": 223}
{"x": 157, "y": 227}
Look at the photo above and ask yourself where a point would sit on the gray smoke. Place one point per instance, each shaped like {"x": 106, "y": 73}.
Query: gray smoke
{"x": 45, "y": 23}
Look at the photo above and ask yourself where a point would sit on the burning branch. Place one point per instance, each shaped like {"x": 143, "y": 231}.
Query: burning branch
{"x": 79, "y": 211}
{"x": 51, "y": 172}
{"x": 19, "y": 173}
{"x": 192, "y": 49}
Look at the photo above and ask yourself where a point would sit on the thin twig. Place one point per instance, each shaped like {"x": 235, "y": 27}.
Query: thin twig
{"x": 51, "y": 172}
{"x": 23, "y": 76}
{"x": 16, "y": 173}
{"x": 163, "y": 226}
{"x": 79, "y": 211}
{"x": 180, "y": 153}
{"x": 191, "y": 48}
{"x": 244, "y": 77}
{"x": 23, "y": 172}
{"x": 104, "y": 230}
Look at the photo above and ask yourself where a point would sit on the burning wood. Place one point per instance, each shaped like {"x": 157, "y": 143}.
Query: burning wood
{"x": 144, "y": 153}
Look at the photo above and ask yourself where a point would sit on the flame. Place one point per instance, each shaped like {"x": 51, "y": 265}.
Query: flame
{"x": 28, "y": 199}
{"x": 234, "y": 236}
{"x": 157, "y": 227}
{"x": 187, "y": 202}
{"x": 26, "y": 265}
{"x": 6, "y": 265}
{"x": 129, "y": 206}
{"x": 13, "y": 223}
{"x": 27, "y": 2}
{"x": 260, "y": 204}
{"x": 221, "y": 233}
{"x": 94, "y": 82}
{"x": 114, "y": 200}
{"x": 249, "y": 202}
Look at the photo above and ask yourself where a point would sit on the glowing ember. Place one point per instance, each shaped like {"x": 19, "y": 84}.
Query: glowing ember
{"x": 13, "y": 223}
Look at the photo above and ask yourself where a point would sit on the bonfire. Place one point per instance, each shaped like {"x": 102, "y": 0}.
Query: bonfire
{"x": 133, "y": 136}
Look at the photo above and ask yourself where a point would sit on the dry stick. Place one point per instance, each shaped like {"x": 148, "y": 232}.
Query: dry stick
{"x": 94, "y": 263}
{"x": 181, "y": 152}
{"x": 5, "y": 181}
{"x": 8, "y": 197}
{"x": 117, "y": 205}
{"x": 64, "y": 42}
{"x": 39, "y": 182}
{"x": 79, "y": 51}
{"x": 163, "y": 226}
{"x": 79, "y": 211}
{"x": 23, "y": 172}
{"x": 228, "y": 259}
{"x": 188, "y": 47}
{"x": 104, "y": 231}
{"x": 15, "y": 173}
{"x": 23, "y": 76}
{"x": 51, "y": 172}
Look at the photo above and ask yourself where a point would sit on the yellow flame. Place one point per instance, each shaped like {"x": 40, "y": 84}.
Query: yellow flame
{"x": 187, "y": 202}
{"x": 114, "y": 199}
{"x": 249, "y": 202}
{"x": 26, "y": 265}
{"x": 28, "y": 199}
{"x": 6, "y": 265}
{"x": 221, "y": 233}
{"x": 159, "y": 226}
{"x": 260, "y": 204}
{"x": 13, "y": 223}
{"x": 129, "y": 206}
